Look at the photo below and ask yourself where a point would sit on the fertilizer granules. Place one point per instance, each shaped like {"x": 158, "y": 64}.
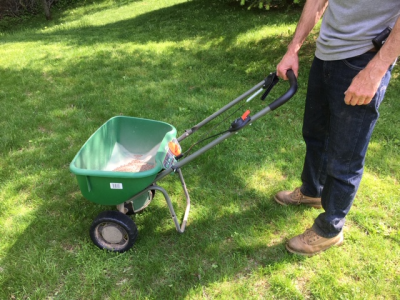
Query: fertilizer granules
{"x": 134, "y": 165}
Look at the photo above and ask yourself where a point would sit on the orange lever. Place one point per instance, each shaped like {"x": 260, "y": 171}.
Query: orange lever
{"x": 246, "y": 113}
{"x": 175, "y": 149}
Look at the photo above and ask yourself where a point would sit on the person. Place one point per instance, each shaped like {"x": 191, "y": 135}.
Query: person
{"x": 347, "y": 82}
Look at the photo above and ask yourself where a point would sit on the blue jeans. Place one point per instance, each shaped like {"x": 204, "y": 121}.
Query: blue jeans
{"x": 337, "y": 137}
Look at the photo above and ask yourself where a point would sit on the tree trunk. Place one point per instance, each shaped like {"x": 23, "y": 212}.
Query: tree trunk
{"x": 46, "y": 8}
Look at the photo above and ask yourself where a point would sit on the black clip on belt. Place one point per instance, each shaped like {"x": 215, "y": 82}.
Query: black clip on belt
{"x": 270, "y": 81}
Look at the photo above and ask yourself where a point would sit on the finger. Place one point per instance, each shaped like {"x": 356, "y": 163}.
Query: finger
{"x": 354, "y": 101}
{"x": 283, "y": 76}
{"x": 281, "y": 72}
{"x": 347, "y": 98}
{"x": 367, "y": 101}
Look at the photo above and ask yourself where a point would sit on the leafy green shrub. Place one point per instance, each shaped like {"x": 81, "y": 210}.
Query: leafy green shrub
{"x": 21, "y": 8}
{"x": 14, "y": 8}
{"x": 267, "y": 4}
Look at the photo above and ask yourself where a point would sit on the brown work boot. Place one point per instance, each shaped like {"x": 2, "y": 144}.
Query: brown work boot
{"x": 296, "y": 198}
{"x": 310, "y": 243}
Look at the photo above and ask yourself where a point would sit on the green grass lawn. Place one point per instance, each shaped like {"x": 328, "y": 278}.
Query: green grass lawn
{"x": 177, "y": 61}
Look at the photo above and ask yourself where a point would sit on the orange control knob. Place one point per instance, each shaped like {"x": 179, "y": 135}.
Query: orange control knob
{"x": 175, "y": 148}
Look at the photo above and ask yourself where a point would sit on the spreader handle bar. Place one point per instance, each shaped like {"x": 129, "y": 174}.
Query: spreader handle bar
{"x": 281, "y": 100}
{"x": 275, "y": 104}
{"x": 222, "y": 110}
{"x": 289, "y": 94}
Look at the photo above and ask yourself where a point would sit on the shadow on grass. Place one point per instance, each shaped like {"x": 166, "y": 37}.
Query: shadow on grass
{"x": 216, "y": 246}
{"x": 50, "y": 219}
{"x": 195, "y": 19}
{"x": 55, "y": 253}
{"x": 42, "y": 129}
{"x": 54, "y": 249}
{"x": 59, "y": 12}
{"x": 191, "y": 12}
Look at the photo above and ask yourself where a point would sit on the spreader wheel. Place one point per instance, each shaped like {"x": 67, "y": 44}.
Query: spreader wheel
{"x": 114, "y": 231}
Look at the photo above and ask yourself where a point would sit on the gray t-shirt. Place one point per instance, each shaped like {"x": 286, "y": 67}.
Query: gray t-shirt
{"x": 348, "y": 26}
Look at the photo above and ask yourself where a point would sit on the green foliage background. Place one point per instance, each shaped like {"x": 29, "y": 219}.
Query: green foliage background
{"x": 267, "y": 4}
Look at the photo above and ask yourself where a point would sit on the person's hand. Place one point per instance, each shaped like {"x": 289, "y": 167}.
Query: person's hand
{"x": 289, "y": 61}
{"x": 362, "y": 89}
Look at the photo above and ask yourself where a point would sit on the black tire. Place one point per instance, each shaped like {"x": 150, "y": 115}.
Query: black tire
{"x": 114, "y": 231}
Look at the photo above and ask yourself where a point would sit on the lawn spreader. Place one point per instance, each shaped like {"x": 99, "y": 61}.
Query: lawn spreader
{"x": 122, "y": 162}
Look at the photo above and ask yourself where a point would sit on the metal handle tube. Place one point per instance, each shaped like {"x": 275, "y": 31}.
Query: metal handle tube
{"x": 187, "y": 210}
{"x": 289, "y": 94}
{"x": 170, "y": 207}
{"x": 281, "y": 100}
{"x": 179, "y": 227}
{"x": 275, "y": 104}
{"x": 189, "y": 158}
{"x": 222, "y": 110}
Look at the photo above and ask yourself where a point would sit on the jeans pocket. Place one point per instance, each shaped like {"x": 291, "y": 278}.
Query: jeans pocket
{"x": 380, "y": 93}
{"x": 359, "y": 62}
